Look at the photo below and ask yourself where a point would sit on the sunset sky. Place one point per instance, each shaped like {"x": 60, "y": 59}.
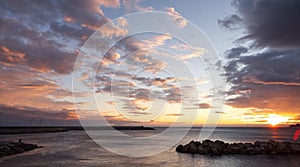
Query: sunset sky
{"x": 151, "y": 78}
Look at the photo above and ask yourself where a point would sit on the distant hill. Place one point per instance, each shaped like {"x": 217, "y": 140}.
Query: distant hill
{"x": 296, "y": 125}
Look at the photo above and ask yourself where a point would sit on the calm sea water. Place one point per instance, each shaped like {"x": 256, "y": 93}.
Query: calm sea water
{"x": 76, "y": 148}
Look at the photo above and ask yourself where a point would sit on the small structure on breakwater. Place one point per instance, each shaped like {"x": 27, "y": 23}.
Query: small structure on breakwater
{"x": 208, "y": 147}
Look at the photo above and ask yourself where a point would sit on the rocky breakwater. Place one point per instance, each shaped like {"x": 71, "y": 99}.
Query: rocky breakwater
{"x": 271, "y": 147}
{"x": 11, "y": 148}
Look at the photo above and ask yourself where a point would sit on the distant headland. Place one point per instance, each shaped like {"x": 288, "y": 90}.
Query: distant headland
{"x": 51, "y": 129}
{"x": 293, "y": 126}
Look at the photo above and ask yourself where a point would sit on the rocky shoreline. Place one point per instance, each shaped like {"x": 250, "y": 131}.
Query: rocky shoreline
{"x": 271, "y": 147}
{"x": 11, "y": 148}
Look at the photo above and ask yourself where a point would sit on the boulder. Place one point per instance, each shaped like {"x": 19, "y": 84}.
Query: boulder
{"x": 179, "y": 148}
{"x": 206, "y": 143}
{"x": 192, "y": 148}
{"x": 257, "y": 143}
{"x": 295, "y": 148}
{"x": 216, "y": 151}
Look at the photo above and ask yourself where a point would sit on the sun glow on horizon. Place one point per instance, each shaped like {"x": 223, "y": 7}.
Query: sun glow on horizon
{"x": 275, "y": 119}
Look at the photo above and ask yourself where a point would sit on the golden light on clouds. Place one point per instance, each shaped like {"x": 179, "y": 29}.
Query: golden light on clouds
{"x": 275, "y": 119}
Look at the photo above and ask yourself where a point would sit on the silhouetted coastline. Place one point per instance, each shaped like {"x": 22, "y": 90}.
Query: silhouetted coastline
{"x": 294, "y": 126}
{"x": 52, "y": 129}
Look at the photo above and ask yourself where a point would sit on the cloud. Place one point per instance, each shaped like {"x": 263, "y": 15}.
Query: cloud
{"x": 48, "y": 41}
{"x": 112, "y": 30}
{"x": 139, "y": 113}
{"x": 197, "y": 53}
{"x": 32, "y": 117}
{"x": 111, "y": 103}
{"x": 266, "y": 79}
{"x": 154, "y": 41}
{"x": 109, "y": 58}
{"x": 9, "y": 56}
{"x": 231, "y": 22}
{"x": 176, "y": 115}
{"x": 270, "y": 23}
{"x": 220, "y": 112}
{"x": 134, "y": 6}
{"x": 204, "y": 105}
{"x": 177, "y": 18}
{"x": 72, "y": 115}
{"x": 236, "y": 52}
{"x": 28, "y": 88}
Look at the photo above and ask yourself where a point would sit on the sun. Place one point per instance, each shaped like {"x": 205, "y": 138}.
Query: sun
{"x": 275, "y": 119}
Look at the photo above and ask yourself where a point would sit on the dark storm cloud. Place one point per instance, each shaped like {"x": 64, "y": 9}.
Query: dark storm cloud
{"x": 270, "y": 23}
{"x": 236, "y": 52}
{"x": 272, "y": 67}
{"x": 267, "y": 79}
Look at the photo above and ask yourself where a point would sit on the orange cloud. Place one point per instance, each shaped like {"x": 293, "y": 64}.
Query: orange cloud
{"x": 176, "y": 115}
{"x": 11, "y": 56}
{"x": 141, "y": 104}
{"x": 111, "y": 29}
{"x": 68, "y": 19}
{"x": 110, "y": 58}
{"x": 22, "y": 87}
{"x": 72, "y": 115}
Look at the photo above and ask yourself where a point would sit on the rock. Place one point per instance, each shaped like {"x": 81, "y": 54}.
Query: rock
{"x": 218, "y": 142}
{"x": 208, "y": 147}
{"x": 250, "y": 149}
{"x": 235, "y": 149}
{"x": 200, "y": 149}
{"x": 257, "y": 143}
{"x": 295, "y": 148}
{"x": 10, "y": 148}
{"x": 193, "y": 148}
{"x": 206, "y": 143}
{"x": 247, "y": 145}
{"x": 6, "y": 150}
{"x": 2, "y": 154}
{"x": 272, "y": 142}
{"x": 185, "y": 149}
{"x": 282, "y": 148}
{"x": 28, "y": 147}
{"x": 179, "y": 148}
{"x": 216, "y": 151}
{"x": 18, "y": 149}
{"x": 264, "y": 144}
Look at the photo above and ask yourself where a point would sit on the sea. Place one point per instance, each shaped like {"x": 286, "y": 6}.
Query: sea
{"x": 76, "y": 148}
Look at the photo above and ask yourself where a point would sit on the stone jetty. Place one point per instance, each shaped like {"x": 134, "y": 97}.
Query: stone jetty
{"x": 11, "y": 148}
{"x": 208, "y": 147}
